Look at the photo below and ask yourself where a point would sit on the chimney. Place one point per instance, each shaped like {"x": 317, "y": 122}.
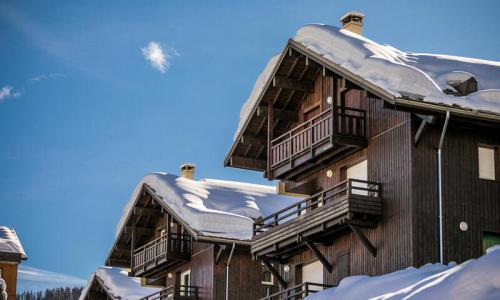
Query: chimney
{"x": 353, "y": 21}
{"x": 187, "y": 170}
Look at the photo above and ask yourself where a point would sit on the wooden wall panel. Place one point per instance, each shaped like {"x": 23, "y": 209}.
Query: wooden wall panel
{"x": 245, "y": 277}
{"x": 465, "y": 196}
{"x": 9, "y": 274}
{"x": 389, "y": 162}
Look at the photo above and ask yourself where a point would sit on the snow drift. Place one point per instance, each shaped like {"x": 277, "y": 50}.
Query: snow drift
{"x": 475, "y": 279}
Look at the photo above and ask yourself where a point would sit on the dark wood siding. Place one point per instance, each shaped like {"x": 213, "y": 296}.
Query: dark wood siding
{"x": 465, "y": 196}
{"x": 389, "y": 162}
{"x": 245, "y": 277}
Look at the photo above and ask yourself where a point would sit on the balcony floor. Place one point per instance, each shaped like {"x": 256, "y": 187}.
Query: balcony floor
{"x": 318, "y": 225}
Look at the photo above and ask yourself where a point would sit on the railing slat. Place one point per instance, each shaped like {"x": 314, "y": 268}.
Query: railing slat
{"x": 347, "y": 187}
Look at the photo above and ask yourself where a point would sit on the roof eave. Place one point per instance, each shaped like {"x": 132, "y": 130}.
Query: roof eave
{"x": 440, "y": 108}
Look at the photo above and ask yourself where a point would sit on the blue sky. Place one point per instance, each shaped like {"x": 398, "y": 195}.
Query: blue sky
{"x": 84, "y": 115}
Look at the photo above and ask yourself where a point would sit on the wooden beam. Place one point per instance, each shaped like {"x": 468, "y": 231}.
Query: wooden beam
{"x": 248, "y": 163}
{"x": 293, "y": 84}
{"x": 275, "y": 273}
{"x": 281, "y": 114}
{"x": 366, "y": 242}
{"x": 139, "y": 230}
{"x": 270, "y": 127}
{"x": 147, "y": 211}
{"x": 326, "y": 264}
{"x": 254, "y": 140}
{"x": 426, "y": 120}
{"x": 219, "y": 253}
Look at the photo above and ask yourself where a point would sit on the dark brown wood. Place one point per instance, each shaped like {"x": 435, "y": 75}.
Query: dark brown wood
{"x": 291, "y": 84}
{"x": 275, "y": 273}
{"x": 326, "y": 264}
{"x": 366, "y": 242}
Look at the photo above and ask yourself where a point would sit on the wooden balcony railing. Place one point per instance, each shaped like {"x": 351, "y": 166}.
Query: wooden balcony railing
{"x": 299, "y": 291}
{"x": 345, "y": 188}
{"x": 171, "y": 245}
{"x": 349, "y": 122}
{"x": 172, "y": 293}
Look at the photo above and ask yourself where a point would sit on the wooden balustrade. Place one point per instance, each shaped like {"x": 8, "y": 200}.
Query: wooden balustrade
{"x": 173, "y": 244}
{"x": 173, "y": 292}
{"x": 340, "y": 191}
{"x": 348, "y": 122}
{"x": 299, "y": 291}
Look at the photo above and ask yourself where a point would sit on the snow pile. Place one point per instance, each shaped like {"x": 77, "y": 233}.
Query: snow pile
{"x": 473, "y": 279}
{"x": 9, "y": 242}
{"x": 3, "y": 290}
{"x": 416, "y": 75}
{"x": 119, "y": 285}
{"x": 214, "y": 208}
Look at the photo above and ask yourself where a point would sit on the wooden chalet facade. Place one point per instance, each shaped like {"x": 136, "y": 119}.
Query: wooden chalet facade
{"x": 11, "y": 255}
{"x": 159, "y": 245}
{"x": 367, "y": 162}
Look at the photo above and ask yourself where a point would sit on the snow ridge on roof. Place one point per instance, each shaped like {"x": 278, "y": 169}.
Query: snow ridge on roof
{"x": 213, "y": 208}
{"x": 118, "y": 284}
{"x": 401, "y": 73}
{"x": 10, "y": 243}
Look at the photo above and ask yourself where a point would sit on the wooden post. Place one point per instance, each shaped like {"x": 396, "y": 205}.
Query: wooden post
{"x": 326, "y": 264}
{"x": 132, "y": 247}
{"x": 366, "y": 242}
{"x": 270, "y": 125}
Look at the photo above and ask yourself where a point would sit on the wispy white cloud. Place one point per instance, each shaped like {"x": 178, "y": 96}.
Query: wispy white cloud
{"x": 8, "y": 92}
{"x": 43, "y": 77}
{"x": 157, "y": 57}
{"x": 33, "y": 279}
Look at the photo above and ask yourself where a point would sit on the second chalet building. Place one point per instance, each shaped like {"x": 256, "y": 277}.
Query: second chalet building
{"x": 396, "y": 154}
{"x": 192, "y": 237}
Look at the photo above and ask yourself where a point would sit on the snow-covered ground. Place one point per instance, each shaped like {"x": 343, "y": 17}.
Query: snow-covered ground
{"x": 119, "y": 284}
{"x": 475, "y": 279}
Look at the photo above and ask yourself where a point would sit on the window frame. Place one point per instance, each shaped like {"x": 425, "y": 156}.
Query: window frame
{"x": 496, "y": 162}
{"x": 265, "y": 270}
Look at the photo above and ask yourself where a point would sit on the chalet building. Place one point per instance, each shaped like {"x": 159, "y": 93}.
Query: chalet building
{"x": 11, "y": 255}
{"x": 396, "y": 154}
{"x": 192, "y": 237}
{"x": 108, "y": 283}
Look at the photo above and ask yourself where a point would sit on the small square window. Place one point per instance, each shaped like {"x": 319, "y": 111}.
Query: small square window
{"x": 267, "y": 276}
{"x": 486, "y": 163}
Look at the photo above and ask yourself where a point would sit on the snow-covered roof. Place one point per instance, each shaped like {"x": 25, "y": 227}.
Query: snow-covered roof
{"x": 118, "y": 284}
{"x": 211, "y": 207}
{"x": 473, "y": 279}
{"x": 10, "y": 243}
{"x": 402, "y": 74}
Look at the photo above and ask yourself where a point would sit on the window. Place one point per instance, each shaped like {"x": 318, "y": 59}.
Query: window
{"x": 490, "y": 239}
{"x": 267, "y": 276}
{"x": 486, "y": 163}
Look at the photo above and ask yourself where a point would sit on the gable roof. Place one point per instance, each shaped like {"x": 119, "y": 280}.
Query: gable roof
{"x": 409, "y": 79}
{"x": 117, "y": 284}
{"x": 211, "y": 207}
{"x": 10, "y": 245}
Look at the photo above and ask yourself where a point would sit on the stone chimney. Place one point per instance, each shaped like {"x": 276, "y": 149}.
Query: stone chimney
{"x": 187, "y": 170}
{"x": 353, "y": 21}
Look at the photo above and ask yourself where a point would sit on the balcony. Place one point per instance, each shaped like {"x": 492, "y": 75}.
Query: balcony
{"x": 299, "y": 291}
{"x": 317, "y": 140}
{"x": 350, "y": 203}
{"x": 160, "y": 253}
{"x": 182, "y": 292}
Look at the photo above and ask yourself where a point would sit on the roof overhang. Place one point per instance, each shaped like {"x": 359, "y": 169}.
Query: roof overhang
{"x": 358, "y": 80}
{"x": 197, "y": 236}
